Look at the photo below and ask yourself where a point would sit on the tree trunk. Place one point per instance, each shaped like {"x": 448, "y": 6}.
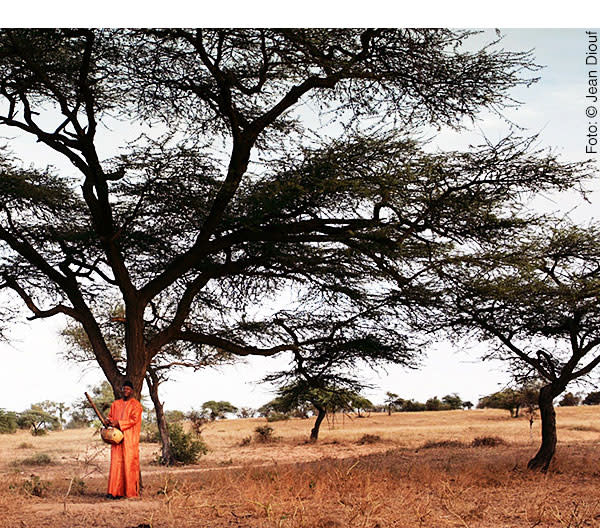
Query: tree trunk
{"x": 137, "y": 355}
{"x": 541, "y": 461}
{"x": 314, "y": 433}
{"x": 166, "y": 457}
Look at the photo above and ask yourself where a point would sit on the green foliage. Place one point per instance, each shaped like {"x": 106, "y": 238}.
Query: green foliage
{"x": 452, "y": 401}
{"x": 411, "y": 406}
{"x": 185, "y": 447}
{"x": 8, "y": 421}
{"x": 509, "y": 399}
{"x": 217, "y": 410}
{"x": 434, "y": 404}
{"x": 277, "y": 416}
{"x": 37, "y": 420}
{"x": 79, "y": 419}
{"x": 174, "y": 416}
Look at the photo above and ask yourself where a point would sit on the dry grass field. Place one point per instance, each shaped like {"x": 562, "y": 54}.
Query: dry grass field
{"x": 417, "y": 470}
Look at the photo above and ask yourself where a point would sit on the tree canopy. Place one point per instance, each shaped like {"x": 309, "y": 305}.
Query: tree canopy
{"x": 234, "y": 203}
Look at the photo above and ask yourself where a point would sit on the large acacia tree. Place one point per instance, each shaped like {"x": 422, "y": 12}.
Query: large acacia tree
{"x": 538, "y": 300}
{"x": 234, "y": 203}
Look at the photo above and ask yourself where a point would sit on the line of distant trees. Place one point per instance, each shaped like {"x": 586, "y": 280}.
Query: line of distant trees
{"x": 52, "y": 416}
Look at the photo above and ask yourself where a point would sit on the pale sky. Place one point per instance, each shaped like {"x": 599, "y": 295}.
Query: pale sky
{"x": 554, "y": 108}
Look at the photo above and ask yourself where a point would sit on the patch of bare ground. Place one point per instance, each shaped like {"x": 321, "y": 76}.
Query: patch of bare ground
{"x": 338, "y": 482}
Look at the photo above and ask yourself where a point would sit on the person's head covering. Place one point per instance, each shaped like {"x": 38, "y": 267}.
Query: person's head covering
{"x": 127, "y": 383}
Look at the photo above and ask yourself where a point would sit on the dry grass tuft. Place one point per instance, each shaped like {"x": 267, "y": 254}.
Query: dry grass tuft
{"x": 39, "y": 459}
{"x": 442, "y": 444}
{"x": 369, "y": 439}
{"x": 488, "y": 441}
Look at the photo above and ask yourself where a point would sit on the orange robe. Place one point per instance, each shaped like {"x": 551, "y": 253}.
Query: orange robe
{"x": 124, "y": 475}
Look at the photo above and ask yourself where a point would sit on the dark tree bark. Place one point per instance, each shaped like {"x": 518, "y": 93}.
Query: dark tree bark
{"x": 541, "y": 461}
{"x": 314, "y": 433}
{"x": 166, "y": 457}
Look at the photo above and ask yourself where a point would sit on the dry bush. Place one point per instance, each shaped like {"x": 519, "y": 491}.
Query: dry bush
{"x": 442, "y": 444}
{"x": 587, "y": 428}
{"x": 369, "y": 439}
{"x": 264, "y": 434}
{"x": 488, "y": 441}
{"x": 40, "y": 459}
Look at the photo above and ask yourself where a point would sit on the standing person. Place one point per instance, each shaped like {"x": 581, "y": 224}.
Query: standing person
{"x": 124, "y": 475}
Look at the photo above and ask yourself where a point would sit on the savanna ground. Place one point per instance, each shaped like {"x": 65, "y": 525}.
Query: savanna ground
{"x": 416, "y": 470}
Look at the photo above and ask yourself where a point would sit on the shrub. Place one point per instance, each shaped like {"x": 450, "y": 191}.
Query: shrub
{"x": 36, "y": 486}
{"x": 246, "y": 441}
{"x": 41, "y": 459}
{"x": 24, "y": 445}
{"x": 39, "y": 432}
{"x": 442, "y": 443}
{"x": 77, "y": 486}
{"x": 264, "y": 433}
{"x": 488, "y": 441}
{"x": 185, "y": 448}
{"x": 369, "y": 439}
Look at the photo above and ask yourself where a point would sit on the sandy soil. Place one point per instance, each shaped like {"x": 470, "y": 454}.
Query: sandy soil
{"x": 395, "y": 481}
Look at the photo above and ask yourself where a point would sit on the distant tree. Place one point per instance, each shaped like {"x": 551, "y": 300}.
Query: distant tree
{"x": 435, "y": 404}
{"x": 327, "y": 399}
{"x": 593, "y": 398}
{"x": 412, "y": 406}
{"x": 37, "y": 420}
{"x": 246, "y": 412}
{"x": 452, "y": 401}
{"x": 513, "y": 400}
{"x": 174, "y": 416}
{"x": 8, "y": 421}
{"x": 79, "y": 419}
{"x": 58, "y": 409}
{"x": 569, "y": 400}
{"x": 360, "y": 404}
{"x": 391, "y": 401}
{"x": 217, "y": 410}
{"x": 467, "y": 405}
{"x": 537, "y": 299}
{"x": 103, "y": 397}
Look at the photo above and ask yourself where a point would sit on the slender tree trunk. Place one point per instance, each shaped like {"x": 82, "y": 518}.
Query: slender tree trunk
{"x": 314, "y": 433}
{"x": 541, "y": 461}
{"x": 166, "y": 457}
